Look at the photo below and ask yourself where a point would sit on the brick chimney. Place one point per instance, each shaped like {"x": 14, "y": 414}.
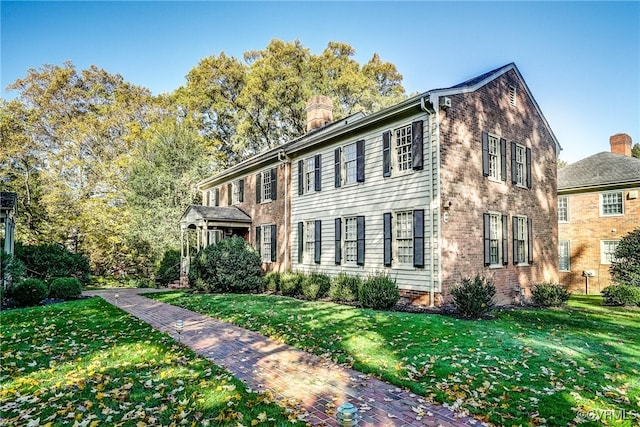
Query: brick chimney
{"x": 319, "y": 112}
{"x": 621, "y": 144}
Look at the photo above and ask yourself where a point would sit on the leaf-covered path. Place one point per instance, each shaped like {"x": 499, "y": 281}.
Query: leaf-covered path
{"x": 307, "y": 383}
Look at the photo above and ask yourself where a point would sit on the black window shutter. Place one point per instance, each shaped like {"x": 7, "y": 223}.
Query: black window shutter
{"x": 387, "y": 239}
{"x": 530, "y": 239}
{"x": 241, "y": 196}
{"x": 258, "y": 187}
{"x": 503, "y": 164}
{"x": 515, "y": 240}
{"x": 274, "y": 184}
{"x": 317, "y": 241}
{"x": 337, "y": 167}
{"x": 274, "y": 242}
{"x": 317, "y": 175}
{"x": 259, "y": 240}
{"x": 300, "y": 177}
{"x": 505, "y": 240}
{"x": 360, "y": 161}
{"x": 485, "y": 154}
{"x": 529, "y": 177}
{"x": 386, "y": 153}
{"x": 418, "y": 238}
{"x": 217, "y": 194}
{"x": 417, "y": 156}
{"x": 338, "y": 240}
{"x": 229, "y": 190}
{"x": 360, "y": 242}
{"x": 486, "y": 227}
{"x": 514, "y": 165}
{"x": 300, "y": 241}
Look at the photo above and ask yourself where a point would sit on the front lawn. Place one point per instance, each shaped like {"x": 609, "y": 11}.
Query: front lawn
{"x": 87, "y": 363}
{"x": 578, "y": 365}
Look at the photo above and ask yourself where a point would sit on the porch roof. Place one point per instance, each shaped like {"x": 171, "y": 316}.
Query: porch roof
{"x": 228, "y": 216}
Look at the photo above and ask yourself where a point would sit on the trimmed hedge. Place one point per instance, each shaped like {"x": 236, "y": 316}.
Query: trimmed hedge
{"x": 290, "y": 283}
{"x": 344, "y": 288}
{"x": 65, "y": 288}
{"x": 550, "y": 295}
{"x": 378, "y": 292}
{"x": 621, "y": 295}
{"x": 315, "y": 286}
{"x": 271, "y": 281}
{"x": 30, "y": 292}
{"x": 473, "y": 298}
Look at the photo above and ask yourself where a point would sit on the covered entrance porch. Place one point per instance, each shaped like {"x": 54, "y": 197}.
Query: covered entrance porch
{"x": 201, "y": 226}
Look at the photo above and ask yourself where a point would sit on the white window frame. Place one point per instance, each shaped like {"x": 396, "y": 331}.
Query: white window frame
{"x": 309, "y": 175}
{"x": 495, "y": 240}
{"x": 608, "y": 250}
{"x": 564, "y": 253}
{"x": 563, "y": 200}
{"x": 350, "y": 240}
{"x": 309, "y": 242}
{"x": 235, "y": 192}
{"x": 402, "y": 140}
{"x": 604, "y": 201}
{"x": 265, "y": 244}
{"x": 522, "y": 240}
{"x": 403, "y": 237}
{"x": 495, "y": 157}
{"x": 350, "y": 161}
{"x": 266, "y": 186}
{"x": 521, "y": 165}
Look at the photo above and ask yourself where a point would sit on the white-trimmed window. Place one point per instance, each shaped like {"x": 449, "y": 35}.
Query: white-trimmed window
{"x": 404, "y": 237}
{"x": 520, "y": 156}
{"x": 563, "y": 209}
{"x": 403, "y": 148}
{"x": 608, "y": 251}
{"x": 495, "y": 239}
{"x": 520, "y": 240}
{"x": 309, "y": 175}
{"x": 309, "y": 241}
{"x": 563, "y": 256}
{"x": 611, "y": 203}
{"x": 350, "y": 163}
{"x": 266, "y": 186}
{"x": 265, "y": 247}
{"x": 351, "y": 240}
{"x": 235, "y": 192}
{"x": 494, "y": 157}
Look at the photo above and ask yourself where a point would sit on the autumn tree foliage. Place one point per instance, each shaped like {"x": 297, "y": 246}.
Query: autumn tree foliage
{"x": 105, "y": 168}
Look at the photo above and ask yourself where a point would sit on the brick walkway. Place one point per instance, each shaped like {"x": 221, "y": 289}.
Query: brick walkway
{"x": 315, "y": 384}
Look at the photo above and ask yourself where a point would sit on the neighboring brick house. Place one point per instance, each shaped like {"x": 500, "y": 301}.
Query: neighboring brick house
{"x": 445, "y": 185}
{"x": 598, "y": 204}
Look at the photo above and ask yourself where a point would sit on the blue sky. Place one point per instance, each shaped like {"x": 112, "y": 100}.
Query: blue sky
{"x": 581, "y": 60}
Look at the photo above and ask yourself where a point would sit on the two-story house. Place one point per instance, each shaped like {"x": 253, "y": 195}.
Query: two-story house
{"x": 598, "y": 204}
{"x": 445, "y": 185}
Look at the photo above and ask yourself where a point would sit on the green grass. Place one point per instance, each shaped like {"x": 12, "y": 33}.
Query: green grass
{"x": 576, "y": 365}
{"x": 87, "y": 363}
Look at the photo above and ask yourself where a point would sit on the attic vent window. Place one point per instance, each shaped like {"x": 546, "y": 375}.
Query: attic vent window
{"x": 512, "y": 95}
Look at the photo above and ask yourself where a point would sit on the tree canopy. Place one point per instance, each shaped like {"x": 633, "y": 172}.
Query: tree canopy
{"x": 105, "y": 168}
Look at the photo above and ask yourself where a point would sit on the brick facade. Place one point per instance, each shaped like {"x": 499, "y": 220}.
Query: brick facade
{"x": 470, "y": 194}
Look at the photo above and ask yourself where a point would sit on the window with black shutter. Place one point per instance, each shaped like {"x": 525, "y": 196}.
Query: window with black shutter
{"x": 318, "y": 172}
{"x": 386, "y": 154}
{"x": 338, "y": 240}
{"x": 417, "y": 156}
{"x": 418, "y": 238}
{"x": 318, "y": 241}
{"x": 388, "y": 239}
{"x": 258, "y": 187}
{"x": 360, "y": 160}
{"x": 361, "y": 240}
{"x": 274, "y": 242}
{"x": 337, "y": 167}
{"x": 300, "y": 242}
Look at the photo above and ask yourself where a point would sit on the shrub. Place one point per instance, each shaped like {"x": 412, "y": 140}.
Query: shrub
{"x": 52, "y": 260}
{"x": 290, "y": 283}
{"x": 621, "y": 295}
{"x": 550, "y": 295}
{"x": 315, "y": 286}
{"x": 11, "y": 270}
{"x": 169, "y": 269}
{"x": 231, "y": 265}
{"x": 473, "y": 298}
{"x": 65, "y": 288}
{"x": 378, "y": 292}
{"x": 271, "y": 281}
{"x": 30, "y": 292}
{"x": 625, "y": 268}
{"x": 344, "y": 288}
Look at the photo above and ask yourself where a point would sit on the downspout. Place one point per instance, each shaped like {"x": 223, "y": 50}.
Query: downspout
{"x": 282, "y": 157}
{"x": 435, "y": 202}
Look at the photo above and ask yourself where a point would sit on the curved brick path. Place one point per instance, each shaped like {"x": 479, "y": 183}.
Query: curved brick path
{"x": 317, "y": 385}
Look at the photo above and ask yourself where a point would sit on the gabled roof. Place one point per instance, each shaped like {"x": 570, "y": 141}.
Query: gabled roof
{"x": 602, "y": 170}
{"x": 226, "y": 214}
